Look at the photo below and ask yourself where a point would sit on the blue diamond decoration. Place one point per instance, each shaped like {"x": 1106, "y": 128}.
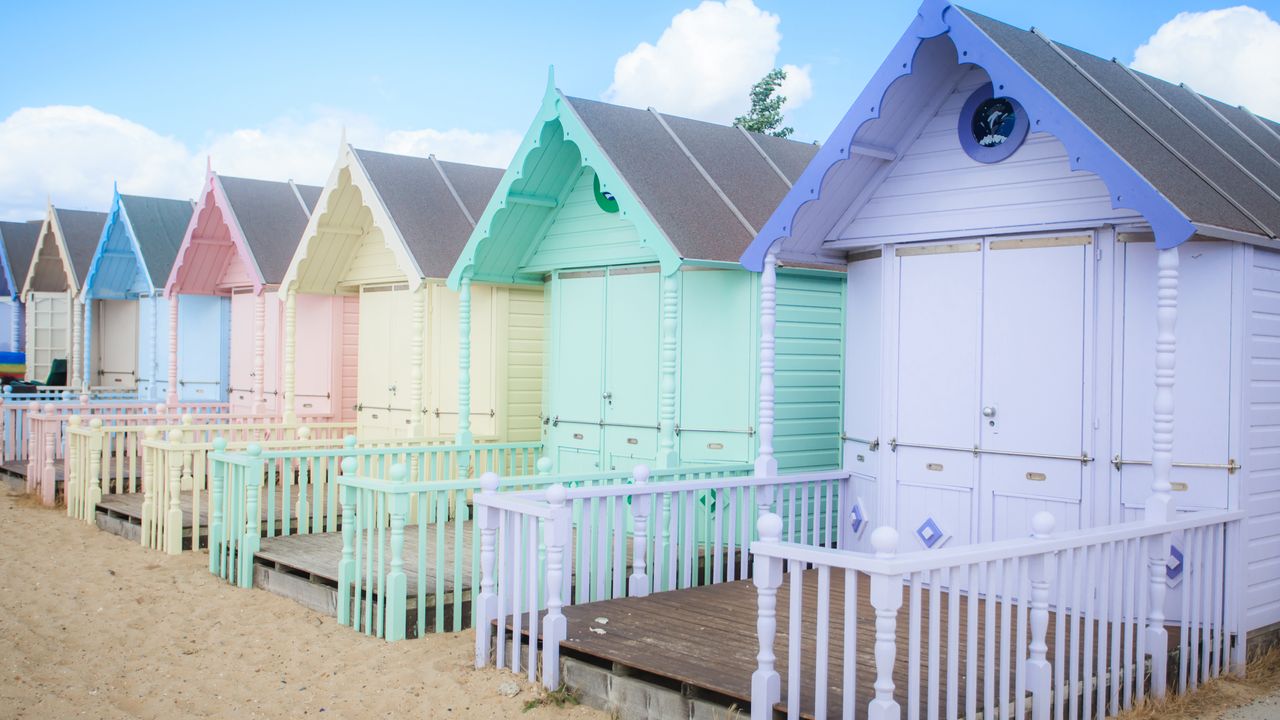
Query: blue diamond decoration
{"x": 1174, "y": 568}
{"x": 856, "y": 518}
{"x": 929, "y": 533}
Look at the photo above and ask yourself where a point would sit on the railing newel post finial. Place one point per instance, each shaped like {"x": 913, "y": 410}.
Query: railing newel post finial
{"x": 544, "y": 466}
{"x": 217, "y": 486}
{"x": 173, "y": 514}
{"x": 766, "y": 684}
{"x": 93, "y": 489}
{"x": 886, "y": 598}
{"x": 396, "y": 600}
{"x": 486, "y": 601}
{"x": 49, "y": 474}
{"x": 347, "y": 566}
{"x": 71, "y": 494}
{"x": 638, "y": 584}
{"x": 152, "y": 477}
{"x": 554, "y": 625}
{"x": 1039, "y": 670}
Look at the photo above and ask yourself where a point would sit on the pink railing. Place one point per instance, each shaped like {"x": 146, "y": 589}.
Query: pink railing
{"x": 1053, "y": 626}
{"x": 46, "y": 432}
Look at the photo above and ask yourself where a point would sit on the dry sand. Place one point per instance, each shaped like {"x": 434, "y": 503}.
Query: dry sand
{"x": 93, "y": 625}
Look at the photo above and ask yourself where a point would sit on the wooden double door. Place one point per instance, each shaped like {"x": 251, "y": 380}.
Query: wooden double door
{"x": 988, "y": 421}
{"x": 603, "y": 410}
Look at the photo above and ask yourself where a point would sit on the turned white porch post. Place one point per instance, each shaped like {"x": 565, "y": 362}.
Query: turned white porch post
{"x": 75, "y": 379}
{"x": 1160, "y": 507}
{"x": 464, "y": 435}
{"x": 290, "y": 355}
{"x": 417, "y": 327}
{"x": 259, "y": 353}
{"x": 86, "y": 362}
{"x": 766, "y": 464}
{"x": 171, "y": 394}
{"x": 667, "y": 454}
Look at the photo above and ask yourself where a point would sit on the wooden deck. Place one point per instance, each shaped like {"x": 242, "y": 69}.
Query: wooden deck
{"x": 702, "y": 642}
{"x": 121, "y": 514}
{"x": 304, "y": 568}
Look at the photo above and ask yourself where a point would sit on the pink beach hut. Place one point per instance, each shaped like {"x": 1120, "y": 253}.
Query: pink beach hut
{"x": 228, "y": 322}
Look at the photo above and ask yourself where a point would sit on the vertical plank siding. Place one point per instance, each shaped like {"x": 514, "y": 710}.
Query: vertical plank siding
{"x": 1262, "y": 440}
{"x": 525, "y": 343}
{"x": 810, "y": 357}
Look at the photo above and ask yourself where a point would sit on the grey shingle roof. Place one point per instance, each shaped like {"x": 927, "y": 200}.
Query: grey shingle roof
{"x": 158, "y": 225}
{"x": 81, "y": 230}
{"x": 417, "y": 196}
{"x": 272, "y": 220}
{"x": 19, "y": 240}
{"x": 1194, "y": 157}
{"x": 688, "y": 208}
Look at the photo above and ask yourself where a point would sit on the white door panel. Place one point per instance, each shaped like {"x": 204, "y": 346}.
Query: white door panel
{"x": 938, "y": 335}
{"x": 1033, "y": 349}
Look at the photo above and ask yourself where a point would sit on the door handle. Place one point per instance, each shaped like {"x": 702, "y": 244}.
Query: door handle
{"x": 989, "y": 411}
{"x": 608, "y": 396}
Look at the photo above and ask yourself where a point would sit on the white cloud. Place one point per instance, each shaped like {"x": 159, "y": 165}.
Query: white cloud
{"x": 74, "y": 154}
{"x": 1231, "y": 54}
{"x": 705, "y": 62}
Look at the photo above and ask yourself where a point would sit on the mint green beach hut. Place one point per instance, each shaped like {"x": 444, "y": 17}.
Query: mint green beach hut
{"x": 632, "y": 222}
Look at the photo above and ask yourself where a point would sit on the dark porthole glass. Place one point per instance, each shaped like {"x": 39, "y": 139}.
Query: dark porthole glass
{"x": 993, "y": 121}
{"x": 991, "y": 128}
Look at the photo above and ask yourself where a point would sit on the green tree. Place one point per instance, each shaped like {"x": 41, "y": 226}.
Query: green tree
{"x": 765, "y": 115}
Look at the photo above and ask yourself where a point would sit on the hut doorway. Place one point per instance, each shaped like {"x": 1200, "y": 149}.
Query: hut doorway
{"x": 991, "y": 380}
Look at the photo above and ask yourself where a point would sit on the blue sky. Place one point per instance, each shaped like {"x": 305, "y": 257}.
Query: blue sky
{"x": 194, "y": 73}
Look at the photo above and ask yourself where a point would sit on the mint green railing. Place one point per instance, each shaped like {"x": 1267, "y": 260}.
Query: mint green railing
{"x": 270, "y": 493}
{"x": 377, "y": 515}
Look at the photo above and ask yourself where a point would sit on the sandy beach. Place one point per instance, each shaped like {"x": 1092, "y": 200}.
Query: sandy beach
{"x": 92, "y": 625}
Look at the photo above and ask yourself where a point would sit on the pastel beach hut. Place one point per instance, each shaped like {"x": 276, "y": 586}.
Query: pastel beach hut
{"x": 226, "y": 322}
{"x": 1060, "y": 379}
{"x": 17, "y": 244}
{"x": 381, "y": 242}
{"x": 126, "y": 312}
{"x": 1062, "y": 276}
{"x": 631, "y": 222}
{"x": 51, "y": 288}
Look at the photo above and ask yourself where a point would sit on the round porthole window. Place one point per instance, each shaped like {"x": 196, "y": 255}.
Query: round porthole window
{"x": 605, "y": 199}
{"x": 991, "y": 128}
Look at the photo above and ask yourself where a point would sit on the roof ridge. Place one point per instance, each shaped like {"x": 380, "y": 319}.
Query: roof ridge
{"x": 703, "y": 172}
{"x": 1147, "y": 128}
{"x": 452, "y": 190}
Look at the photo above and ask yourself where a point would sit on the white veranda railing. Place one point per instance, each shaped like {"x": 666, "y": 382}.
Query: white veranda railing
{"x": 1066, "y": 626}
{"x": 546, "y": 548}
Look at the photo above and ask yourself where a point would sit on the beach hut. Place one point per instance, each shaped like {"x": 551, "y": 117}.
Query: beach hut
{"x": 226, "y": 324}
{"x": 385, "y": 234}
{"x": 17, "y": 244}
{"x": 126, "y": 313}
{"x": 51, "y": 288}
{"x": 1030, "y": 231}
{"x": 631, "y": 222}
